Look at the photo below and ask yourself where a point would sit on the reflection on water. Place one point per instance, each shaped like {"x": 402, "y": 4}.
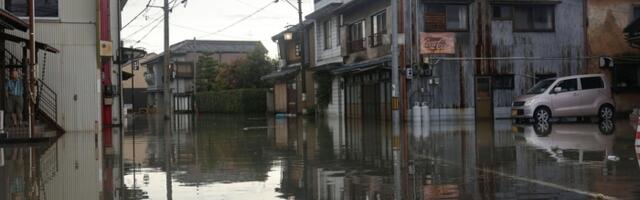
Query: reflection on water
{"x": 253, "y": 157}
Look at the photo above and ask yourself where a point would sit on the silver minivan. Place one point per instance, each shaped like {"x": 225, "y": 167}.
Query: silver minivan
{"x": 570, "y": 96}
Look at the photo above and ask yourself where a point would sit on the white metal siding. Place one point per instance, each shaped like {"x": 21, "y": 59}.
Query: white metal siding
{"x": 74, "y": 70}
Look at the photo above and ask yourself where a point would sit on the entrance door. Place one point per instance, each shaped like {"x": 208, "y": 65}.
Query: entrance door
{"x": 484, "y": 98}
{"x": 292, "y": 98}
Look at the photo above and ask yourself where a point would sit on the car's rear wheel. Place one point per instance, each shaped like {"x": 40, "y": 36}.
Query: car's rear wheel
{"x": 606, "y": 112}
{"x": 542, "y": 114}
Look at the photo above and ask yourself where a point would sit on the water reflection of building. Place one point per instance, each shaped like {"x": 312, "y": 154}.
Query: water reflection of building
{"x": 494, "y": 160}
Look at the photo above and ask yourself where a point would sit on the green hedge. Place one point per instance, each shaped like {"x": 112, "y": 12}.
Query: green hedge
{"x": 232, "y": 101}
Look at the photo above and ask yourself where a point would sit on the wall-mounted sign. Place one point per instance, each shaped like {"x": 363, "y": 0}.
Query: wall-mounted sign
{"x": 437, "y": 43}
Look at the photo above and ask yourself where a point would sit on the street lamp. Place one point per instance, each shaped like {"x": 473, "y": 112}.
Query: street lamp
{"x": 288, "y": 35}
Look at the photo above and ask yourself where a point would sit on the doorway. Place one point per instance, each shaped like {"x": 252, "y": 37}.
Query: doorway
{"x": 484, "y": 98}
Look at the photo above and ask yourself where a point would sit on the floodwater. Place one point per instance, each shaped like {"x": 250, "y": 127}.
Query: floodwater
{"x": 255, "y": 157}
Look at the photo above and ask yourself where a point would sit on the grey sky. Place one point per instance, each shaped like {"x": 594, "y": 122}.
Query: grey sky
{"x": 201, "y": 17}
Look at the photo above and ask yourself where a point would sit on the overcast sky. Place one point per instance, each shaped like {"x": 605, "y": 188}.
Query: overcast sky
{"x": 200, "y": 18}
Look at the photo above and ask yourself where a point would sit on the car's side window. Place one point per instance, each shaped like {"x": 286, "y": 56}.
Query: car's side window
{"x": 567, "y": 85}
{"x": 591, "y": 83}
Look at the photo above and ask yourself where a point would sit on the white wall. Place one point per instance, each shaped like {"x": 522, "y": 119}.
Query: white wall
{"x": 73, "y": 71}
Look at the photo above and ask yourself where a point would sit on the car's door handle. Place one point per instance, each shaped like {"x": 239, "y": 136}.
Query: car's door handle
{"x": 575, "y": 94}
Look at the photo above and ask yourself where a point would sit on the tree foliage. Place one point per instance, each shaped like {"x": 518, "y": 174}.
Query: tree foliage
{"x": 242, "y": 73}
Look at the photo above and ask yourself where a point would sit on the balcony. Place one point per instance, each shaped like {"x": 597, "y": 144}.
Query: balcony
{"x": 376, "y": 39}
{"x": 356, "y": 45}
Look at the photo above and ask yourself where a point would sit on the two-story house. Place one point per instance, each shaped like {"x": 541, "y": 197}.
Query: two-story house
{"x": 297, "y": 54}
{"x": 184, "y": 56}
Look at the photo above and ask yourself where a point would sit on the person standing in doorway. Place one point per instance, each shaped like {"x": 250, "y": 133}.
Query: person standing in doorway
{"x": 15, "y": 90}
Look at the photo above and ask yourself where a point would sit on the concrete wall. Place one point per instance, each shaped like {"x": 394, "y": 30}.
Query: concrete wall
{"x": 73, "y": 73}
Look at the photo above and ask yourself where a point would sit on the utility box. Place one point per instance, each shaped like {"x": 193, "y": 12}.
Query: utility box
{"x": 106, "y": 48}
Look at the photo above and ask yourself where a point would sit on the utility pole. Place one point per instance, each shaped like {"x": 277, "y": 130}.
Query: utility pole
{"x": 168, "y": 106}
{"x": 302, "y": 56}
{"x": 395, "y": 103}
{"x": 31, "y": 68}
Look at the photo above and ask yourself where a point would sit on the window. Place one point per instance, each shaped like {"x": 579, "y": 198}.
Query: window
{"x": 626, "y": 76}
{"x": 568, "y": 85}
{"x": 446, "y": 18}
{"x": 636, "y": 12}
{"x": 534, "y": 18}
{"x": 503, "y": 81}
{"x": 502, "y": 12}
{"x": 356, "y": 36}
{"x": 378, "y": 28}
{"x": 541, "y": 77}
{"x": 44, "y": 8}
{"x": 326, "y": 27}
{"x": 338, "y": 33}
{"x": 591, "y": 83}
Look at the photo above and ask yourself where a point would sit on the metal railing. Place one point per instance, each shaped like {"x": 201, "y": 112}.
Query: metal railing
{"x": 47, "y": 101}
{"x": 10, "y": 59}
{"x": 356, "y": 45}
{"x": 376, "y": 39}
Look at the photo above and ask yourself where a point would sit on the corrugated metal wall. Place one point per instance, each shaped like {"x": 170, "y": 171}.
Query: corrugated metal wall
{"x": 74, "y": 70}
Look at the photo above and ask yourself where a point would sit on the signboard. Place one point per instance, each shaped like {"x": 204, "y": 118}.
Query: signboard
{"x": 437, "y": 43}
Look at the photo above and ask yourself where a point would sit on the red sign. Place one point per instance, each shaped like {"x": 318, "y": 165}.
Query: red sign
{"x": 437, "y": 43}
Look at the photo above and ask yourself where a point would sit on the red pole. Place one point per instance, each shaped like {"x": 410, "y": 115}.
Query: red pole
{"x": 105, "y": 35}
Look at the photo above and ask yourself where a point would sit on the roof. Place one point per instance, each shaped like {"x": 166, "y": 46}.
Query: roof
{"x": 363, "y": 66}
{"x": 10, "y": 21}
{"x": 213, "y": 46}
{"x": 39, "y": 45}
{"x": 280, "y": 73}
{"x": 324, "y": 11}
{"x": 293, "y": 28}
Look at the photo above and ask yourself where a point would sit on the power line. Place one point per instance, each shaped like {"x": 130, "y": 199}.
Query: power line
{"x": 239, "y": 21}
{"x": 204, "y": 31}
{"x": 293, "y": 6}
{"x": 138, "y": 15}
{"x": 145, "y": 35}
{"x": 157, "y": 21}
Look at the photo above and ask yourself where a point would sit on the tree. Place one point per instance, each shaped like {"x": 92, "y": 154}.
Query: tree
{"x": 207, "y": 72}
{"x": 245, "y": 73}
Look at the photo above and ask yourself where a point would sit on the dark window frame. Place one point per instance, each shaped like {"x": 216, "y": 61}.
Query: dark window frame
{"x": 326, "y": 31}
{"x": 361, "y": 36}
{"x": 496, "y": 86}
{"x": 635, "y": 11}
{"x": 38, "y": 13}
{"x": 561, "y": 82}
{"x": 375, "y": 39}
{"x": 501, "y": 18}
{"x": 465, "y": 29}
{"x": 582, "y": 84}
{"x": 531, "y": 8}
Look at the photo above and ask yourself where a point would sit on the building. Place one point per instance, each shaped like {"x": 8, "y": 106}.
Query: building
{"x": 606, "y": 38}
{"x": 134, "y": 89}
{"x": 184, "y": 56}
{"x": 84, "y": 33}
{"x": 287, "y": 93}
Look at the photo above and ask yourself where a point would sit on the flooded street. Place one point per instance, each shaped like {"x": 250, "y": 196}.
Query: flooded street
{"x": 253, "y": 157}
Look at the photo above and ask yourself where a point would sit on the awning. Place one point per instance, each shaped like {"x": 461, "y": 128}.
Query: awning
{"x": 280, "y": 74}
{"x": 363, "y": 66}
{"x": 326, "y": 67}
{"x": 39, "y": 45}
{"x": 126, "y": 75}
{"x": 324, "y": 11}
{"x": 10, "y": 21}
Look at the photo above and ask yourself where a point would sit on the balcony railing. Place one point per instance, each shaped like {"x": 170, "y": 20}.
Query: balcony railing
{"x": 376, "y": 39}
{"x": 356, "y": 45}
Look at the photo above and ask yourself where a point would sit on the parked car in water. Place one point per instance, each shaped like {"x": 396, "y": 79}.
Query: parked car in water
{"x": 570, "y": 96}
